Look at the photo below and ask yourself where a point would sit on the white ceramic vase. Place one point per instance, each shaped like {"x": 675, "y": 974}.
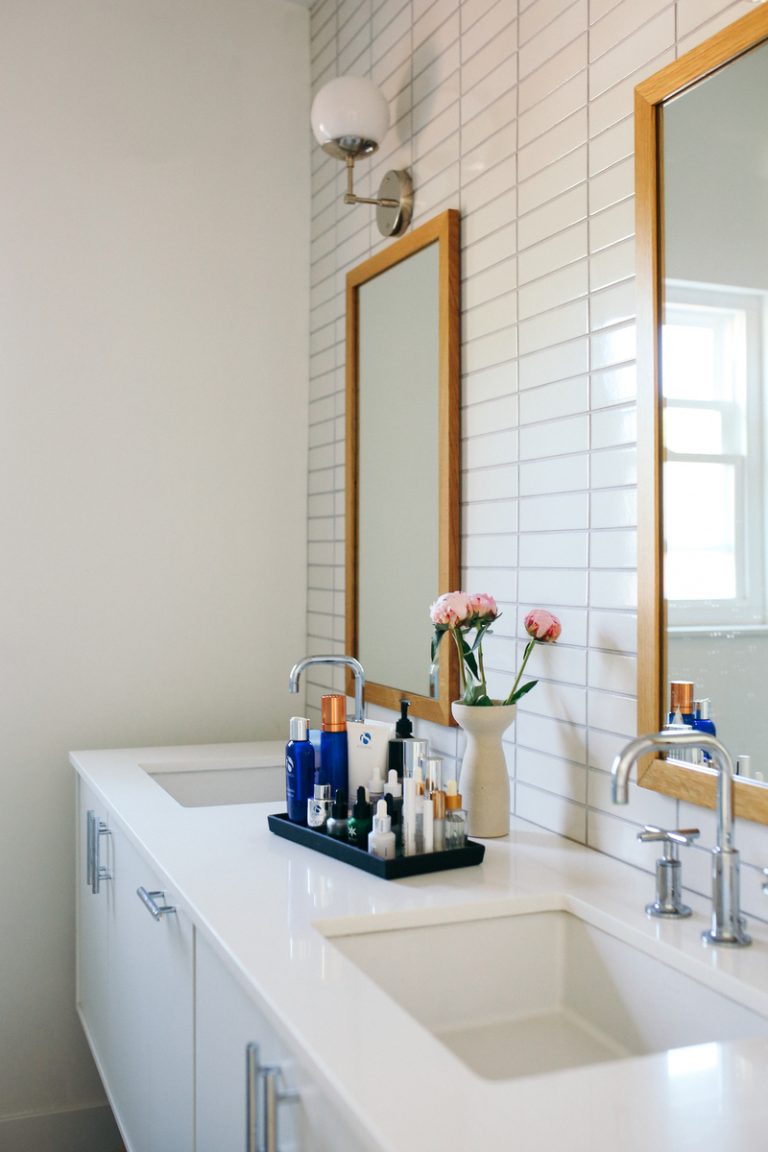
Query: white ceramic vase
{"x": 484, "y": 783}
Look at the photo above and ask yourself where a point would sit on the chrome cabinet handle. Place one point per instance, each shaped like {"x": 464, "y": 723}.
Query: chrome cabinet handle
{"x": 263, "y": 1095}
{"x": 95, "y": 871}
{"x": 150, "y": 902}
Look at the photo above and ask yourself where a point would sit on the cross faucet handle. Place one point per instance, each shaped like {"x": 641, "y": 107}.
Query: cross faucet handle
{"x": 668, "y": 902}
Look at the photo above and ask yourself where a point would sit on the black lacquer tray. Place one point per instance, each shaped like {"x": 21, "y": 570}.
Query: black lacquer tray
{"x": 471, "y": 853}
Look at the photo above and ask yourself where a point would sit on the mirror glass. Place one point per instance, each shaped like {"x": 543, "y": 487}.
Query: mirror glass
{"x": 702, "y": 192}
{"x": 402, "y": 462}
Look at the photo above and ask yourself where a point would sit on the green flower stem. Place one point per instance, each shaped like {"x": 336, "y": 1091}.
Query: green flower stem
{"x": 462, "y": 677}
{"x": 481, "y": 668}
{"x": 528, "y": 649}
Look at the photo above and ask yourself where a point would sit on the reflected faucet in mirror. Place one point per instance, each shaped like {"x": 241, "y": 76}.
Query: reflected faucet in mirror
{"x": 337, "y": 661}
{"x": 727, "y": 921}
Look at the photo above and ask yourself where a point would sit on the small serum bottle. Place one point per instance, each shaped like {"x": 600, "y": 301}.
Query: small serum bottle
{"x": 359, "y": 823}
{"x": 336, "y": 825}
{"x": 381, "y": 841}
{"x": 319, "y": 807}
{"x": 455, "y": 818}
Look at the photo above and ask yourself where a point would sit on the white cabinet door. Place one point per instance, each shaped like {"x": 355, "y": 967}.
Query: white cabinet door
{"x": 151, "y": 970}
{"x": 135, "y": 989}
{"x": 227, "y": 1021}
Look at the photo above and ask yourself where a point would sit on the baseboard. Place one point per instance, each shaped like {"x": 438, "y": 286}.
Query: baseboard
{"x": 77, "y": 1130}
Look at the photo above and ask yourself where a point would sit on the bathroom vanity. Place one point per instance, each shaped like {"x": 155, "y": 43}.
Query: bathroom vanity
{"x": 227, "y": 977}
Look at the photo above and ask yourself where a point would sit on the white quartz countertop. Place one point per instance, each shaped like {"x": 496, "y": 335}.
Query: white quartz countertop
{"x": 272, "y": 907}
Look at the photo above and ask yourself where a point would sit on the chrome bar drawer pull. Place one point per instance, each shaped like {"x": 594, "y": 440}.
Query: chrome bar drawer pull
{"x": 150, "y": 902}
{"x": 96, "y": 871}
{"x": 263, "y": 1095}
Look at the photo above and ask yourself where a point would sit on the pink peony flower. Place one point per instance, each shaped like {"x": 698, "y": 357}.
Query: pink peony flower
{"x": 450, "y": 609}
{"x": 483, "y": 605}
{"x": 542, "y": 625}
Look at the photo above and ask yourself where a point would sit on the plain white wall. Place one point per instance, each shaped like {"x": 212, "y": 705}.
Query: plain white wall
{"x": 154, "y": 211}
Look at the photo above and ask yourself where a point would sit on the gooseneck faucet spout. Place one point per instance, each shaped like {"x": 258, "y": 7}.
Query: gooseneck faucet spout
{"x": 345, "y": 661}
{"x": 727, "y": 921}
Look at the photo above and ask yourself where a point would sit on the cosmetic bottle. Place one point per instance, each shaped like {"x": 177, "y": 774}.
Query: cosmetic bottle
{"x": 333, "y": 742}
{"x": 359, "y": 823}
{"x": 438, "y": 816}
{"x": 403, "y": 731}
{"x": 367, "y": 751}
{"x": 702, "y": 717}
{"x": 336, "y": 825}
{"x": 299, "y": 769}
{"x": 414, "y": 751}
{"x": 319, "y": 807}
{"x": 394, "y": 788}
{"x": 376, "y": 786}
{"x": 432, "y": 767}
{"x": 396, "y": 818}
{"x": 681, "y": 702}
{"x": 381, "y": 841}
{"x": 455, "y": 818}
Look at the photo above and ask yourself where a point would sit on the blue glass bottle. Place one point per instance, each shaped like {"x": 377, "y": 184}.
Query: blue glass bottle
{"x": 333, "y": 743}
{"x": 299, "y": 770}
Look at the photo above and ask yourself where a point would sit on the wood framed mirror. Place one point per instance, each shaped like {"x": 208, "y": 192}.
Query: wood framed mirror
{"x": 403, "y": 463}
{"x": 701, "y": 173}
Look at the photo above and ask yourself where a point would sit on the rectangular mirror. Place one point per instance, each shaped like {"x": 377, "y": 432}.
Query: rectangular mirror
{"x": 702, "y": 252}
{"x": 402, "y": 463}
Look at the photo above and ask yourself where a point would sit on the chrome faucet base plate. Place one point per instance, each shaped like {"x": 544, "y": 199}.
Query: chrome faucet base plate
{"x": 664, "y": 912}
{"x": 726, "y": 940}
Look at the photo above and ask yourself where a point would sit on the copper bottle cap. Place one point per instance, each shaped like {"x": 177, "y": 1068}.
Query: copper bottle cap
{"x": 333, "y": 710}
{"x": 438, "y": 804}
{"x": 681, "y": 696}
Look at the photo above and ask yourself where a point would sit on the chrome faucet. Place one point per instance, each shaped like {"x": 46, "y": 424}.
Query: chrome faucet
{"x": 727, "y": 921}
{"x": 346, "y": 661}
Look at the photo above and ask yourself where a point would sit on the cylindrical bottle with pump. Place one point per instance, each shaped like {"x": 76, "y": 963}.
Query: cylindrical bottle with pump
{"x": 299, "y": 770}
{"x": 333, "y": 742}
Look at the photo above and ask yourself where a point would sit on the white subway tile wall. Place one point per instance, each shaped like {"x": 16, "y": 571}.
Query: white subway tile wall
{"x": 519, "y": 114}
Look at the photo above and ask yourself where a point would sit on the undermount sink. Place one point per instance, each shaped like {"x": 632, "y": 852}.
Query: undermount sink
{"x": 202, "y": 785}
{"x": 536, "y": 992}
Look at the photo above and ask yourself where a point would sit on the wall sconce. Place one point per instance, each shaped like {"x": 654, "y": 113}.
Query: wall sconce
{"x": 350, "y": 118}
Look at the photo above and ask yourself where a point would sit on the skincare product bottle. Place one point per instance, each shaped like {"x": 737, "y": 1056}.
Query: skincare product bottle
{"x": 336, "y": 825}
{"x": 367, "y": 749}
{"x": 414, "y": 751}
{"x": 396, "y": 817}
{"x": 394, "y": 788}
{"x": 438, "y": 814}
{"x": 381, "y": 841}
{"x": 299, "y": 770}
{"x": 403, "y": 731}
{"x": 702, "y": 717}
{"x": 376, "y": 786}
{"x": 428, "y": 823}
{"x": 319, "y": 807}
{"x": 681, "y": 702}
{"x": 455, "y": 818}
{"x": 359, "y": 823}
{"x": 432, "y": 767}
{"x": 333, "y": 742}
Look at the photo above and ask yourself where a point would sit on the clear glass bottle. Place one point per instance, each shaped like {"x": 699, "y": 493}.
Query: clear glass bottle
{"x": 455, "y": 817}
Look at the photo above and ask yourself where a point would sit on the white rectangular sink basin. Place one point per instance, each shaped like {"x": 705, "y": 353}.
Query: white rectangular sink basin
{"x": 536, "y": 992}
{"x": 205, "y": 785}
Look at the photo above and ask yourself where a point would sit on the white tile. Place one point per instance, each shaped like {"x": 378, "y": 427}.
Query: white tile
{"x": 488, "y": 551}
{"x": 557, "y": 363}
{"x": 553, "y": 180}
{"x": 440, "y": 39}
{"x": 550, "y": 401}
{"x": 553, "y": 549}
{"x": 561, "y": 324}
{"x": 620, "y": 22}
{"x": 492, "y": 448}
{"x": 490, "y": 317}
{"x": 553, "y": 253}
{"x": 692, "y": 14}
{"x": 613, "y": 427}
{"x": 613, "y": 672}
{"x": 496, "y": 214}
{"x": 553, "y": 513}
{"x": 553, "y": 36}
{"x": 611, "y": 146}
{"x": 490, "y": 383}
{"x": 488, "y": 140}
{"x": 474, "y": 10}
{"x": 614, "y": 509}
{"x": 554, "y": 216}
{"x": 493, "y": 517}
{"x": 598, "y": 8}
{"x": 553, "y": 587}
{"x": 614, "y": 549}
{"x": 551, "y": 737}
{"x": 552, "y": 774}
{"x": 565, "y": 137}
{"x": 437, "y": 14}
{"x": 498, "y": 53}
{"x": 613, "y": 590}
{"x": 566, "y": 474}
{"x": 497, "y": 85}
{"x": 495, "y": 348}
{"x": 613, "y": 346}
{"x": 554, "y": 438}
{"x": 609, "y": 187}
{"x": 497, "y": 483}
{"x": 492, "y": 416}
{"x": 487, "y": 27}
{"x": 614, "y": 386}
{"x": 566, "y": 284}
{"x": 559, "y": 68}
{"x": 503, "y": 582}
{"x": 613, "y": 305}
{"x": 613, "y": 630}
{"x": 643, "y": 45}
{"x": 490, "y": 250}
{"x": 553, "y": 109}
{"x": 610, "y": 265}
{"x": 614, "y": 224}
{"x": 612, "y": 712}
{"x": 614, "y": 467}
{"x": 490, "y": 284}
{"x": 496, "y": 182}
{"x": 551, "y": 812}
{"x": 437, "y": 130}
